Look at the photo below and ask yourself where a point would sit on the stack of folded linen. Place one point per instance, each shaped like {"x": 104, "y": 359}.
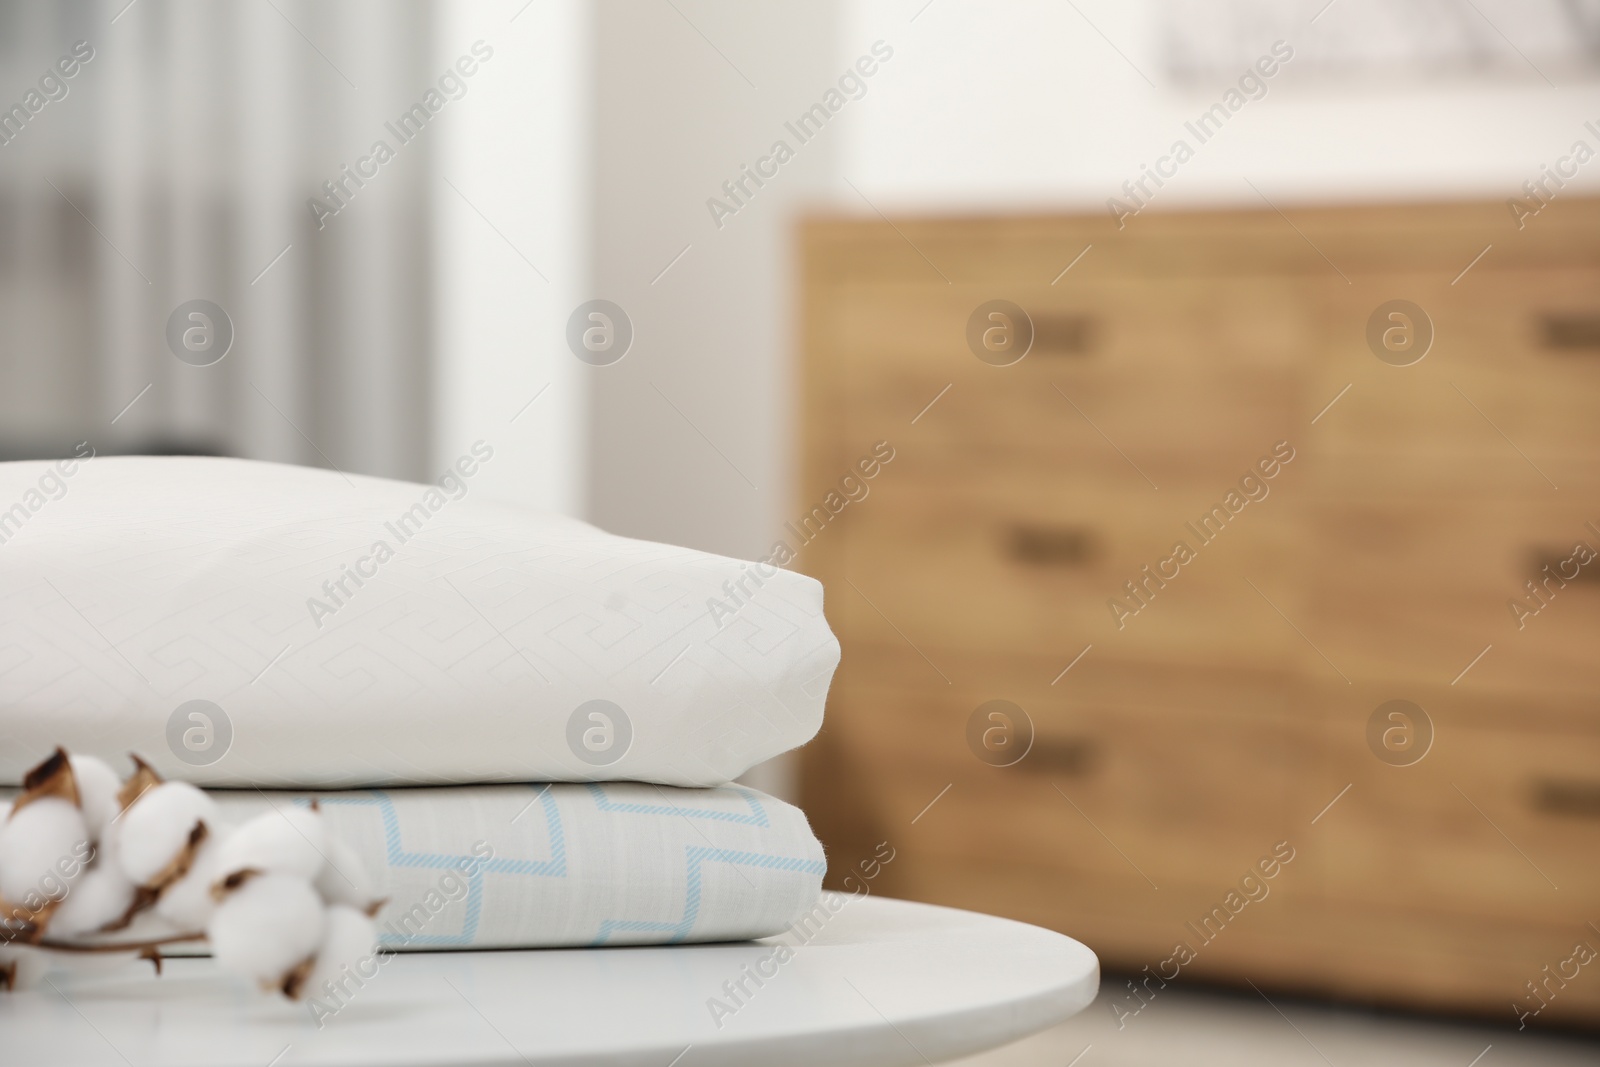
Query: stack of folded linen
{"x": 525, "y": 727}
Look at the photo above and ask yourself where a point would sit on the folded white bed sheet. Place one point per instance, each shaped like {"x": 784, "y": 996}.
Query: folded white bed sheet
{"x": 532, "y": 866}
{"x": 336, "y": 632}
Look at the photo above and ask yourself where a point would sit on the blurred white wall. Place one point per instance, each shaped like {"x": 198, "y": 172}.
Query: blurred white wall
{"x": 1029, "y": 104}
{"x": 693, "y": 431}
{"x": 512, "y": 229}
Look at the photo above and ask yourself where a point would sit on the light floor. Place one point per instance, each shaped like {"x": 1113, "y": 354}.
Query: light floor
{"x": 1184, "y": 1028}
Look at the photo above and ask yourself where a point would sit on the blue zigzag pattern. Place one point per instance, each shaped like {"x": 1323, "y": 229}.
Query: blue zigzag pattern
{"x": 397, "y": 856}
{"x": 695, "y": 857}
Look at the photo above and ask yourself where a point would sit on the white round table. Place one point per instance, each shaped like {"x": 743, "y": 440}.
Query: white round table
{"x": 881, "y": 982}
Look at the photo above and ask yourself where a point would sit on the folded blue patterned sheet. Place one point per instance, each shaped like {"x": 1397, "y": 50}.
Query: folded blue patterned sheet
{"x": 529, "y": 866}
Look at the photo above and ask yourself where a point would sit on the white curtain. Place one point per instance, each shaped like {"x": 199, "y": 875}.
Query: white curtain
{"x": 178, "y": 167}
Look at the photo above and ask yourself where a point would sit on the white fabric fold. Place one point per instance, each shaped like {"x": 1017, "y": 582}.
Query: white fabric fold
{"x": 243, "y": 623}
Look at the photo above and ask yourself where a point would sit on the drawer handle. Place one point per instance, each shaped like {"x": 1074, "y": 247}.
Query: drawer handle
{"x": 1568, "y": 798}
{"x": 1064, "y": 335}
{"x": 1051, "y": 546}
{"x": 1564, "y": 566}
{"x": 1570, "y": 332}
{"x": 1074, "y": 756}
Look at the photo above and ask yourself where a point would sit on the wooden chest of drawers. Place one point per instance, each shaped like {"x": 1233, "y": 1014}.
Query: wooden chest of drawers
{"x": 1179, "y": 715}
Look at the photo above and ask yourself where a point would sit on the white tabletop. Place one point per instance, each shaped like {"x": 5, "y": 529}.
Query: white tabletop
{"x": 882, "y": 982}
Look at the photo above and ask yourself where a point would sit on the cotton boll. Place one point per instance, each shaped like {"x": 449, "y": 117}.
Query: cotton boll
{"x": 43, "y": 848}
{"x": 288, "y": 841}
{"x": 156, "y": 828}
{"x": 107, "y": 847}
{"x": 101, "y": 896}
{"x": 343, "y": 878}
{"x": 98, "y": 785}
{"x": 347, "y": 957}
{"x": 266, "y": 927}
{"x": 187, "y": 903}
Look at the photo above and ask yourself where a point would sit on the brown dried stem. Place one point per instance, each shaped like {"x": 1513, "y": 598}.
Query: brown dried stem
{"x": 135, "y": 947}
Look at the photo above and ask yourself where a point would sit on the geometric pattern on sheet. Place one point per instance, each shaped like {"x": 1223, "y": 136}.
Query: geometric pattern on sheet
{"x": 619, "y": 863}
{"x": 695, "y": 856}
{"x": 398, "y": 856}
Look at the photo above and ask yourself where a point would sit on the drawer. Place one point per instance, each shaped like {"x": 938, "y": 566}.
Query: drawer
{"x": 1105, "y": 807}
{"x": 1106, "y": 796}
{"x": 1416, "y": 588}
{"x": 1390, "y": 888}
{"x": 1514, "y": 365}
{"x": 1501, "y": 823}
{"x": 1016, "y": 564}
{"x": 1156, "y": 432}
{"x": 1431, "y": 962}
{"x": 1135, "y": 382}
